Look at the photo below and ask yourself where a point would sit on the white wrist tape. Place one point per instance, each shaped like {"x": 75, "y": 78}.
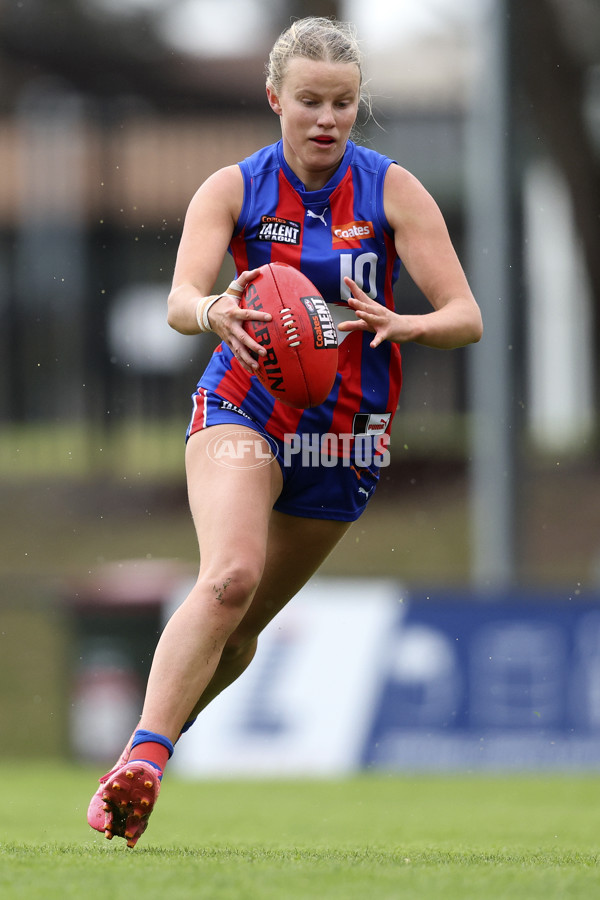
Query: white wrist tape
{"x": 202, "y": 307}
{"x": 235, "y": 291}
{"x": 202, "y": 312}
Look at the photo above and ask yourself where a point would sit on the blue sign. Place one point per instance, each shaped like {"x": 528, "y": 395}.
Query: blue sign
{"x": 513, "y": 683}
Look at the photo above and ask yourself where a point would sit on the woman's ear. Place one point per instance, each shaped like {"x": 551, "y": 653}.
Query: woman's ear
{"x": 273, "y": 100}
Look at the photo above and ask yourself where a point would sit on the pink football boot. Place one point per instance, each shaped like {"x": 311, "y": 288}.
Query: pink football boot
{"x": 128, "y": 798}
{"x": 96, "y": 815}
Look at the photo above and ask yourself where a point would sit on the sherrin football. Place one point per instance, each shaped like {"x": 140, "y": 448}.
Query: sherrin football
{"x": 301, "y": 339}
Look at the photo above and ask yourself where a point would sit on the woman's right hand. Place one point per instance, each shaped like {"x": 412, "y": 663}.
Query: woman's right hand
{"x": 226, "y": 319}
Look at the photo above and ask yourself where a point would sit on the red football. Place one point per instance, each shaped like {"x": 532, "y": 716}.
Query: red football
{"x": 301, "y": 338}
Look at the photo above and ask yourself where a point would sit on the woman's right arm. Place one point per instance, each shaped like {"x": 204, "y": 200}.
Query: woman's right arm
{"x": 209, "y": 224}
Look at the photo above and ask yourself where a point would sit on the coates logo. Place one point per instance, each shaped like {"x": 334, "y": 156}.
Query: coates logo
{"x": 352, "y": 231}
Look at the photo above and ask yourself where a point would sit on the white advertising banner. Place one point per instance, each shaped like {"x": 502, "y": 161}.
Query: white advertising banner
{"x": 306, "y": 703}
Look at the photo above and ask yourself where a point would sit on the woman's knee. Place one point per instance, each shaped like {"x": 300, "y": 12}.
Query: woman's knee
{"x": 231, "y": 585}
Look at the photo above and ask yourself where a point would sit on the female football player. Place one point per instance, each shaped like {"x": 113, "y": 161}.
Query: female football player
{"x": 351, "y": 215}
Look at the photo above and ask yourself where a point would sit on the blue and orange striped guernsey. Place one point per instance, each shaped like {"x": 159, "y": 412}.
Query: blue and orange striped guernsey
{"x": 327, "y": 234}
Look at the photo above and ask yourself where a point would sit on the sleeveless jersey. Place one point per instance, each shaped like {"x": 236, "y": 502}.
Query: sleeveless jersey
{"x": 327, "y": 234}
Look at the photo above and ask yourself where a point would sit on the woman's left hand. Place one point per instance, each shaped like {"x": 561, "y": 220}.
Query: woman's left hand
{"x": 372, "y": 316}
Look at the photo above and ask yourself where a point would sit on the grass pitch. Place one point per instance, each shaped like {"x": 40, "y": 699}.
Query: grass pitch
{"x": 366, "y": 837}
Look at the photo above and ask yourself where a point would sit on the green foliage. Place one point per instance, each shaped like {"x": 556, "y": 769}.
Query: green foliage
{"x": 369, "y": 836}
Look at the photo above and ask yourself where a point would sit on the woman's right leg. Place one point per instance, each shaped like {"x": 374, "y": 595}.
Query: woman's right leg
{"x": 231, "y": 507}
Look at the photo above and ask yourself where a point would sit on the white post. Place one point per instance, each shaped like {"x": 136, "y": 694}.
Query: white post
{"x": 494, "y": 361}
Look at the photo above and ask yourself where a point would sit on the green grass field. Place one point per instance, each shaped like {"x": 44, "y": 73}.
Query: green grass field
{"x": 375, "y": 837}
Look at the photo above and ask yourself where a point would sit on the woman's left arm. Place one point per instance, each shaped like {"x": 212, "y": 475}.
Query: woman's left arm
{"x": 424, "y": 246}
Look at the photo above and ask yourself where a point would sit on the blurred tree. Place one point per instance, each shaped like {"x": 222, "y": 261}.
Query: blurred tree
{"x": 557, "y": 47}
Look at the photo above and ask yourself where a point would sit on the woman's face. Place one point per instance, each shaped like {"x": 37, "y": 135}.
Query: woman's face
{"x": 317, "y": 106}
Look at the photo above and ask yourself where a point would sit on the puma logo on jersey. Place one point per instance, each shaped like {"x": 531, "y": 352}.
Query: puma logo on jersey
{"x": 314, "y": 215}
